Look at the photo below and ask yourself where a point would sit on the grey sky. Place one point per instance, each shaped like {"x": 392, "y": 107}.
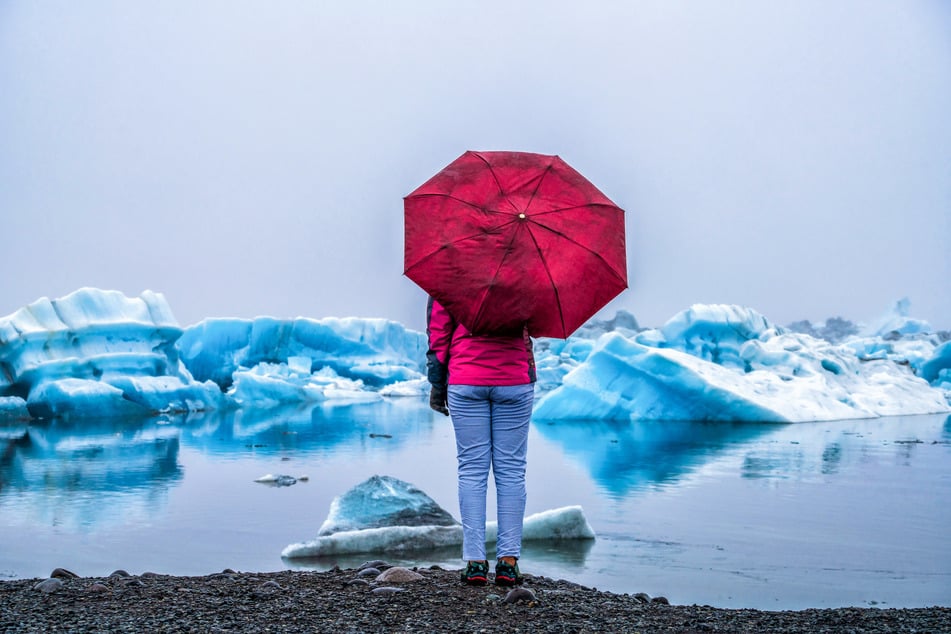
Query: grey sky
{"x": 250, "y": 158}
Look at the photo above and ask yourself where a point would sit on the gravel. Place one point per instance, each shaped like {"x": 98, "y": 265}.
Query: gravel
{"x": 296, "y": 601}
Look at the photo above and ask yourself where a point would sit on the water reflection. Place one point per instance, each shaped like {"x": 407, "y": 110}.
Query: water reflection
{"x": 321, "y": 429}
{"x": 73, "y": 473}
{"x": 85, "y": 473}
{"x": 567, "y": 554}
{"x": 626, "y": 456}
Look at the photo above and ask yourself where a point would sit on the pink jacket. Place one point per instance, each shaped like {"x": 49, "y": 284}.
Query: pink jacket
{"x": 458, "y": 357}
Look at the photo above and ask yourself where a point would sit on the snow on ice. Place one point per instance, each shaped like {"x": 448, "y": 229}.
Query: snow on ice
{"x": 100, "y": 353}
{"x": 723, "y": 362}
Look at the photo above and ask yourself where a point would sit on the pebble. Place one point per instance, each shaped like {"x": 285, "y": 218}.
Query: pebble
{"x": 357, "y": 582}
{"x": 519, "y": 594}
{"x": 49, "y": 585}
{"x": 98, "y": 587}
{"x": 491, "y": 598}
{"x": 398, "y": 574}
{"x": 369, "y": 572}
{"x": 131, "y": 581}
{"x": 379, "y": 564}
{"x": 272, "y": 585}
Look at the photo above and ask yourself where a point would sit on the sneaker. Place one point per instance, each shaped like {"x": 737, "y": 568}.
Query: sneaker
{"x": 507, "y": 574}
{"x": 476, "y": 573}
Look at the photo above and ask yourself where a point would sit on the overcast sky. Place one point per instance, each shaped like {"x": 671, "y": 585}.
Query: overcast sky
{"x": 250, "y": 158}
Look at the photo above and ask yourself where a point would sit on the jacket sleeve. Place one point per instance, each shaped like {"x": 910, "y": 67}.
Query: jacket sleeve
{"x": 439, "y": 328}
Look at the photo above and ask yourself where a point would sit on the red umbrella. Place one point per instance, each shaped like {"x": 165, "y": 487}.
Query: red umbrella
{"x": 504, "y": 239}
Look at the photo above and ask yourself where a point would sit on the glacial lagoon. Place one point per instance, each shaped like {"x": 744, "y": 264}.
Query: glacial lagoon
{"x": 728, "y": 514}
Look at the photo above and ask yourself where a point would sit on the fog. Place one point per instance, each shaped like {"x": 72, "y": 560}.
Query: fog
{"x": 250, "y": 158}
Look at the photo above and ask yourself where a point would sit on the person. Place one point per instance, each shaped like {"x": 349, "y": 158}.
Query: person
{"x": 487, "y": 384}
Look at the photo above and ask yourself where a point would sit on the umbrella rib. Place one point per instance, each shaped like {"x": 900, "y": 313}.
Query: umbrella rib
{"x": 573, "y": 207}
{"x": 460, "y": 200}
{"x": 585, "y": 247}
{"x": 551, "y": 279}
{"x": 537, "y": 186}
{"x": 449, "y": 244}
{"x": 491, "y": 171}
{"x": 495, "y": 177}
{"x": 488, "y": 288}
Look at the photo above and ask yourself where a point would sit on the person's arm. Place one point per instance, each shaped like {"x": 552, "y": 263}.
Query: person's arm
{"x": 439, "y": 328}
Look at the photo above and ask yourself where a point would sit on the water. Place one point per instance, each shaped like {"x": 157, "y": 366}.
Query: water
{"x": 732, "y": 515}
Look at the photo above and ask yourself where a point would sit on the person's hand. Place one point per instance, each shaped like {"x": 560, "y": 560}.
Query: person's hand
{"x": 439, "y": 399}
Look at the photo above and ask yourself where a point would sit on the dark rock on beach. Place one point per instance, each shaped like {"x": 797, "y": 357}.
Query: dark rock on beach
{"x": 295, "y": 601}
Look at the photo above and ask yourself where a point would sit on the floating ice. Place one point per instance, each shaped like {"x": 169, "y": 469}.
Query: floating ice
{"x": 375, "y": 351}
{"x": 730, "y": 363}
{"x": 937, "y": 369}
{"x": 98, "y": 352}
{"x": 281, "y": 480}
{"x": 383, "y": 501}
{"x": 897, "y": 321}
{"x": 270, "y": 384}
{"x": 387, "y": 514}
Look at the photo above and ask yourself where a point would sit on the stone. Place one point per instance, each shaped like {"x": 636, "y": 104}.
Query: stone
{"x": 398, "y": 574}
{"x": 62, "y": 573}
{"x": 369, "y": 572}
{"x": 272, "y": 586}
{"x": 379, "y": 564}
{"x": 519, "y": 594}
{"x": 49, "y": 585}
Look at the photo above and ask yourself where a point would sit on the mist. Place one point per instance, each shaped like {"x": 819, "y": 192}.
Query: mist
{"x": 250, "y": 159}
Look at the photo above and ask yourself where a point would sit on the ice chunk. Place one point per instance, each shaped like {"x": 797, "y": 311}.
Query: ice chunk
{"x": 97, "y": 352}
{"x": 937, "y": 369}
{"x": 375, "y": 351}
{"x": 715, "y": 332}
{"x": 568, "y": 523}
{"x": 281, "y": 480}
{"x": 383, "y": 501}
{"x": 13, "y": 407}
{"x": 413, "y": 387}
{"x": 896, "y": 320}
{"x": 387, "y": 514}
{"x": 730, "y": 363}
{"x": 267, "y": 385}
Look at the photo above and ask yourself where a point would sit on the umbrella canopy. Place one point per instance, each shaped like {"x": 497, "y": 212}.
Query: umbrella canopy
{"x": 505, "y": 239}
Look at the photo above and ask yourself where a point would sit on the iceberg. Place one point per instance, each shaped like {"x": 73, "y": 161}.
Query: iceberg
{"x": 376, "y": 351}
{"x": 729, "y": 363}
{"x": 100, "y": 353}
{"x": 896, "y": 322}
{"x": 937, "y": 369}
{"x": 385, "y": 514}
{"x": 97, "y": 353}
{"x": 383, "y": 501}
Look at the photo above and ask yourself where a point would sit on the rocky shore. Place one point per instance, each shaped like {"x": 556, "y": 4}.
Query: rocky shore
{"x": 387, "y": 599}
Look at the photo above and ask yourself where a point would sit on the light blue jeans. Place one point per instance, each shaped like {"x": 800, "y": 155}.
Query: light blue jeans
{"x": 491, "y": 424}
